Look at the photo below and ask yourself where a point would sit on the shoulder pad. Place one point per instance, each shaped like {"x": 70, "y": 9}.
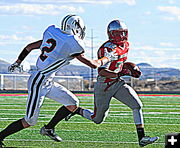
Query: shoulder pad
{"x": 51, "y": 27}
{"x": 110, "y": 45}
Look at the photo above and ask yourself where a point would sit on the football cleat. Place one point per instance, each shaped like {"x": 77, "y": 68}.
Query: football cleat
{"x": 147, "y": 140}
{"x": 50, "y": 133}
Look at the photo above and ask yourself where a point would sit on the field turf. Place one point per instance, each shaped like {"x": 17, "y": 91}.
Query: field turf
{"x": 161, "y": 115}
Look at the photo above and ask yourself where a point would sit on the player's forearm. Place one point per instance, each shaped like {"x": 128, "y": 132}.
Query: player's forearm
{"x": 22, "y": 55}
{"x": 27, "y": 50}
{"x": 102, "y": 61}
{"x": 99, "y": 62}
{"x": 92, "y": 63}
{"x": 108, "y": 73}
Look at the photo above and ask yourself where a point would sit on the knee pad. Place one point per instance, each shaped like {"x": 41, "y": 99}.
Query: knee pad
{"x": 137, "y": 106}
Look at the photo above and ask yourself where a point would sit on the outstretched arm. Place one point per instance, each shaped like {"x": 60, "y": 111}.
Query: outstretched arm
{"x": 28, "y": 49}
{"x": 109, "y": 56}
{"x": 23, "y": 54}
{"x": 92, "y": 63}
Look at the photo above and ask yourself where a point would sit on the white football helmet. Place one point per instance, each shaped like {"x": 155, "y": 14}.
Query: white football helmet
{"x": 73, "y": 24}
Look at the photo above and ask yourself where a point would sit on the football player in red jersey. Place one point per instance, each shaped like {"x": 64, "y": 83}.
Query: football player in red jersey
{"x": 110, "y": 84}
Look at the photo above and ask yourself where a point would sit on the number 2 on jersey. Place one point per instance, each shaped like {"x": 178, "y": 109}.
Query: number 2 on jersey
{"x": 48, "y": 49}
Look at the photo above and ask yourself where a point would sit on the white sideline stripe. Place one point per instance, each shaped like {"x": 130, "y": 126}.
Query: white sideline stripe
{"x": 49, "y": 117}
{"x": 70, "y": 122}
{"x": 13, "y": 109}
{"x": 123, "y": 105}
{"x": 30, "y": 129}
{"x": 110, "y": 107}
{"x": 122, "y": 116}
{"x": 91, "y": 104}
{"x": 92, "y": 98}
{"x": 77, "y": 141}
{"x": 148, "y": 113}
{"x": 110, "y": 115}
{"x": 154, "y": 103}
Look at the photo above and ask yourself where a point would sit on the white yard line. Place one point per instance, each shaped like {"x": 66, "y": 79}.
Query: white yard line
{"x": 90, "y": 104}
{"x": 148, "y": 113}
{"x": 70, "y": 122}
{"x": 30, "y": 140}
{"x": 51, "y": 106}
{"x": 121, "y": 115}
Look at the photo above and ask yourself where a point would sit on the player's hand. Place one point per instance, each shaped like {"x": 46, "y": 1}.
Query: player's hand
{"x": 14, "y": 66}
{"x": 130, "y": 69}
{"x": 112, "y": 56}
{"x": 124, "y": 72}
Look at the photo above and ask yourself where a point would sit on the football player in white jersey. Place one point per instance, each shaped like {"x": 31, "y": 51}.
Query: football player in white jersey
{"x": 58, "y": 47}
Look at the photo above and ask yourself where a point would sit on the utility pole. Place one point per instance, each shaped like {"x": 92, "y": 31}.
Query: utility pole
{"x": 92, "y": 75}
{"x": 92, "y": 55}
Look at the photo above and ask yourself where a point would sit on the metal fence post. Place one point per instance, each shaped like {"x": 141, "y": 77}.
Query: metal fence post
{"x": 82, "y": 84}
{"x": 2, "y": 82}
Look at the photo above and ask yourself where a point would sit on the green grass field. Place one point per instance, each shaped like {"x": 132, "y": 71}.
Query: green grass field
{"x": 161, "y": 115}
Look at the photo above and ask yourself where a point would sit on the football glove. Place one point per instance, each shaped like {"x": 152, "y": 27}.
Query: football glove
{"x": 14, "y": 66}
{"x": 112, "y": 56}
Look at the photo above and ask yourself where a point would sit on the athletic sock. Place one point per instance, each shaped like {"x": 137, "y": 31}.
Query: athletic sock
{"x": 140, "y": 132}
{"x": 11, "y": 129}
{"x": 61, "y": 113}
{"x": 79, "y": 111}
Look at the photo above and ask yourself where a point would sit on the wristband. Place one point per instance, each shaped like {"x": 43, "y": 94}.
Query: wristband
{"x": 101, "y": 60}
{"x": 23, "y": 54}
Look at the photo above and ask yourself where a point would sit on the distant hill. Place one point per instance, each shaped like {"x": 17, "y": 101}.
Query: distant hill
{"x": 74, "y": 70}
{"x": 4, "y": 66}
{"x": 144, "y": 65}
{"x": 151, "y": 72}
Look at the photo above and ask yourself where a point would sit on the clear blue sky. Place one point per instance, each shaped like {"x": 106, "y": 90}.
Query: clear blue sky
{"x": 154, "y": 32}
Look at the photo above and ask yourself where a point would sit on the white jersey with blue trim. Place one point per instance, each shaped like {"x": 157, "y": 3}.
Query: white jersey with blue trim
{"x": 58, "y": 48}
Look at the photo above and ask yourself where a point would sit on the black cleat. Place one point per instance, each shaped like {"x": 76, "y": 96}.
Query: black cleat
{"x": 50, "y": 133}
{"x": 147, "y": 140}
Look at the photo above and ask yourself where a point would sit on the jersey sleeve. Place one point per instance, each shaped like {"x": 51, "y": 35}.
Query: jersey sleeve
{"x": 101, "y": 53}
{"x": 77, "y": 46}
{"x": 49, "y": 29}
{"x": 47, "y": 34}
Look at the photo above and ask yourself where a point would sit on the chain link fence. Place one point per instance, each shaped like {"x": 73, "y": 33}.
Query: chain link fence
{"x": 19, "y": 82}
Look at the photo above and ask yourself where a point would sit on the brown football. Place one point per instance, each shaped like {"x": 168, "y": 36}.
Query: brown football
{"x": 135, "y": 71}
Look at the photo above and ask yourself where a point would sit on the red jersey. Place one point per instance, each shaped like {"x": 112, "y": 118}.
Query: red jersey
{"x": 116, "y": 65}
